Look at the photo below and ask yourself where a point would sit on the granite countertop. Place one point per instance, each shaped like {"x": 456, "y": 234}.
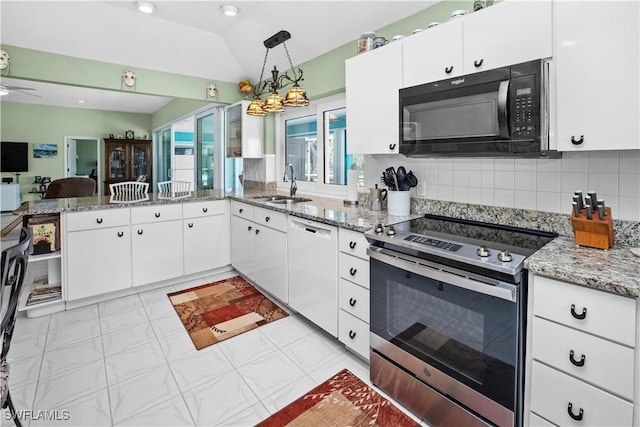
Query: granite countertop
{"x": 616, "y": 270}
{"x": 323, "y": 209}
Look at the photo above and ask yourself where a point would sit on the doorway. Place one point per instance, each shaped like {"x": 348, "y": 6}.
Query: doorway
{"x": 82, "y": 158}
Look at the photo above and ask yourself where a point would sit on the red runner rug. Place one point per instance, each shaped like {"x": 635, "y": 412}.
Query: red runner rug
{"x": 343, "y": 400}
{"x": 214, "y": 312}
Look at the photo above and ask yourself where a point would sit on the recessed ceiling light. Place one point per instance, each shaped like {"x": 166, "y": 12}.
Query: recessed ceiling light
{"x": 80, "y": 101}
{"x": 146, "y": 7}
{"x": 230, "y": 10}
{"x": 3, "y": 92}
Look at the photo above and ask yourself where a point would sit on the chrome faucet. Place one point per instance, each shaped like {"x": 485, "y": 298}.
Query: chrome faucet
{"x": 294, "y": 186}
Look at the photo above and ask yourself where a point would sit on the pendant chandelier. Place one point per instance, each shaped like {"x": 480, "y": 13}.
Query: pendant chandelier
{"x": 274, "y": 103}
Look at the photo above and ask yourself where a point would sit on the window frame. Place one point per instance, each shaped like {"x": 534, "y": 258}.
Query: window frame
{"x": 318, "y": 107}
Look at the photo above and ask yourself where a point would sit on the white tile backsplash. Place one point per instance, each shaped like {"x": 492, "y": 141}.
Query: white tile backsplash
{"x": 539, "y": 184}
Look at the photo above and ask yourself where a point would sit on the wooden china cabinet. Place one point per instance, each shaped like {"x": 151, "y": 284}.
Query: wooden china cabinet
{"x": 126, "y": 160}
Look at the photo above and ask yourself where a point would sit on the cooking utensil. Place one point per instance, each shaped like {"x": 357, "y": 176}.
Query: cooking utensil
{"x": 413, "y": 180}
{"x": 394, "y": 178}
{"x": 401, "y": 174}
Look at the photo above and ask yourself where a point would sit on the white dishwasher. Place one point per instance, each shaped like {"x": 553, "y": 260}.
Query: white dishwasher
{"x": 312, "y": 249}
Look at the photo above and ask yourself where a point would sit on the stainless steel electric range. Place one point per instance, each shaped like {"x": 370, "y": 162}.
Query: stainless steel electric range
{"x": 448, "y": 311}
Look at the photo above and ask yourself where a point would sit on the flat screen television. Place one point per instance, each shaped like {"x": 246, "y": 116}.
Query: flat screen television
{"x": 14, "y": 156}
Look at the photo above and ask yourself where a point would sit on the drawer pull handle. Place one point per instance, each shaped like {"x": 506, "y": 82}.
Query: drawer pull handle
{"x": 249, "y": 228}
{"x": 449, "y": 69}
{"x": 352, "y": 245}
{"x": 266, "y": 219}
{"x": 120, "y": 233}
{"x": 205, "y": 210}
{"x": 240, "y": 210}
{"x": 580, "y": 316}
{"x": 257, "y": 231}
{"x": 574, "y": 416}
{"x": 352, "y": 334}
{"x": 478, "y": 64}
{"x": 353, "y": 271}
{"x": 575, "y": 141}
{"x": 140, "y": 232}
{"x": 190, "y": 225}
{"x": 574, "y": 361}
{"x": 392, "y": 146}
{"x": 352, "y": 302}
{"x": 99, "y": 220}
{"x": 157, "y": 214}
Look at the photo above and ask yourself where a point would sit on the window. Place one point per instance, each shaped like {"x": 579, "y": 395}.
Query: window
{"x": 314, "y": 140}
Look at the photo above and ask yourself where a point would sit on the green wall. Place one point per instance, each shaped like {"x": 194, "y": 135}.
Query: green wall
{"x": 38, "y": 124}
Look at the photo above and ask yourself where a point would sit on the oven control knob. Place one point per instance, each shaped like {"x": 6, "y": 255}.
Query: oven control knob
{"x": 483, "y": 251}
{"x": 391, "y": 231}
{"x": 378, "y": 229}
{"x": 505, "y": 256}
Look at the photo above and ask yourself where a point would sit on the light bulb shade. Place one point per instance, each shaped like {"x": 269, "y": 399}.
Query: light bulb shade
{"x": 273, "y": 103}
{"x": 296, "y": 97}
{"x": 255, "y": 108}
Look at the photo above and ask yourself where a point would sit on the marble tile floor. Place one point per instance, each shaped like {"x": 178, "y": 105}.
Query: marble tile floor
{"x": 130, "y": 362}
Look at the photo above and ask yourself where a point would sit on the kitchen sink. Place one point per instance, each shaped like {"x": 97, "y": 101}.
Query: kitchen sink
{"x": 281, "y": 200}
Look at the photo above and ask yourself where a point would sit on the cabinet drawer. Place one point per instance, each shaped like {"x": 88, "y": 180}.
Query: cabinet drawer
{"x": 354, "y": 333}
{"x": 354, "y": 299}
{"x": 552, "y": 392}
{"x": 157, "y": 213}
{"x": 353, "y": 243}
{"x": 97, "y": 219}
{"x": 200, "y": 209}
{"x": 606, "y": 364}
{"x": 354, "y": 269}
{"x": 272, "y": 219}
{"x": 605, "y": 314}
{"x": 242, "y": 209}
{"x": 536, "y": 421}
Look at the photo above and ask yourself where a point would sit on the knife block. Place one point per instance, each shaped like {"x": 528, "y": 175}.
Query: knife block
{"x": 594, "y": 233}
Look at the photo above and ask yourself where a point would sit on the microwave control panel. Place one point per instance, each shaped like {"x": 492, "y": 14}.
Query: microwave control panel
{"x": 524, "y": 111}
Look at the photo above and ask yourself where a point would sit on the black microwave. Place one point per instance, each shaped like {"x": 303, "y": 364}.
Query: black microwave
{"x": 497, "y": 113}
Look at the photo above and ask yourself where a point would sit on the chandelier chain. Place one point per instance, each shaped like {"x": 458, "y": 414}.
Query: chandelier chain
{"x": 264, "y": 64}
{"x": 293, "y": 70}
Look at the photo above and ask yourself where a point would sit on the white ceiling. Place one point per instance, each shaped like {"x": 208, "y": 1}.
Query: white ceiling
{"x": 194, "y": 37}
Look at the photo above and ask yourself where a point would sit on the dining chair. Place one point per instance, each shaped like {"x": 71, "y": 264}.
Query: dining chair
{"x": 75, "y": 186}
{"x": 129, "y": 188}
{"x": 174, "y": 186}
{"x": 13, "y": 269}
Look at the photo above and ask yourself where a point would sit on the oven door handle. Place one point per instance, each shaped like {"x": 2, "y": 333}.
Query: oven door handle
{"x": 505, "y": 291}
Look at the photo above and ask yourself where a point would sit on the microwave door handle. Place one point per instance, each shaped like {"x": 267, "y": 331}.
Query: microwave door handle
{"x": 503, "y": 116}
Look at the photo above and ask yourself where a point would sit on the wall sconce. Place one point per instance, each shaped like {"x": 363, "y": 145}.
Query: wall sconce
{"x": 129, "y": 79}
{"x": 4, "y": 62}
{"x": 210, "y": 91}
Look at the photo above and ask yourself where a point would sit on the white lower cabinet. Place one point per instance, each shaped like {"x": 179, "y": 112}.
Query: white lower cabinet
{"x": 157, "y": 252}
{"x": 582, "y": 358}
{"x": 270, "y": 266}
{"x": 98, "y": 258}
{"x": 567, "y": 401}
{"x": 205, "y": 230}
{"x": 353, "y": 315}
{"x": 258, "y": 250}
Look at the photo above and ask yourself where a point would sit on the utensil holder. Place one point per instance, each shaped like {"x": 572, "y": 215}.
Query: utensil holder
{"x": 595, "y": 232}
{"x": 398, "y": 202}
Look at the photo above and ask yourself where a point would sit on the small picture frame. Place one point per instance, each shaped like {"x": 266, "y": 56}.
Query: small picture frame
{"x": 129, "y": 134}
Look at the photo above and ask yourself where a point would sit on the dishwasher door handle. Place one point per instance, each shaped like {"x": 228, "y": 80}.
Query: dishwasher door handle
{"x": 310, "y": 230}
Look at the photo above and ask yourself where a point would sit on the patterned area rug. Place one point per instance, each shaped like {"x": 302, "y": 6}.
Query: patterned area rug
{"x": 342, "y": 400}
{"x": 214, "y": 312}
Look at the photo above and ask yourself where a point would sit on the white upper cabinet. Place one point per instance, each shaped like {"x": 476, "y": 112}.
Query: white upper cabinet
{"x": 245, "y": 134}
{"x": 433, "y": 55}
{"x": 597, "y": 75}
{"x": 507, "y": 33}
{"x": 372, "y": 83}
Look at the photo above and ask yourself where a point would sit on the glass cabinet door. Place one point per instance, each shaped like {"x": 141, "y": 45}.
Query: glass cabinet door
{"x": 139, "y": 160}
{"x": 117, "y": 161}
{"x": 234, "y": 131}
